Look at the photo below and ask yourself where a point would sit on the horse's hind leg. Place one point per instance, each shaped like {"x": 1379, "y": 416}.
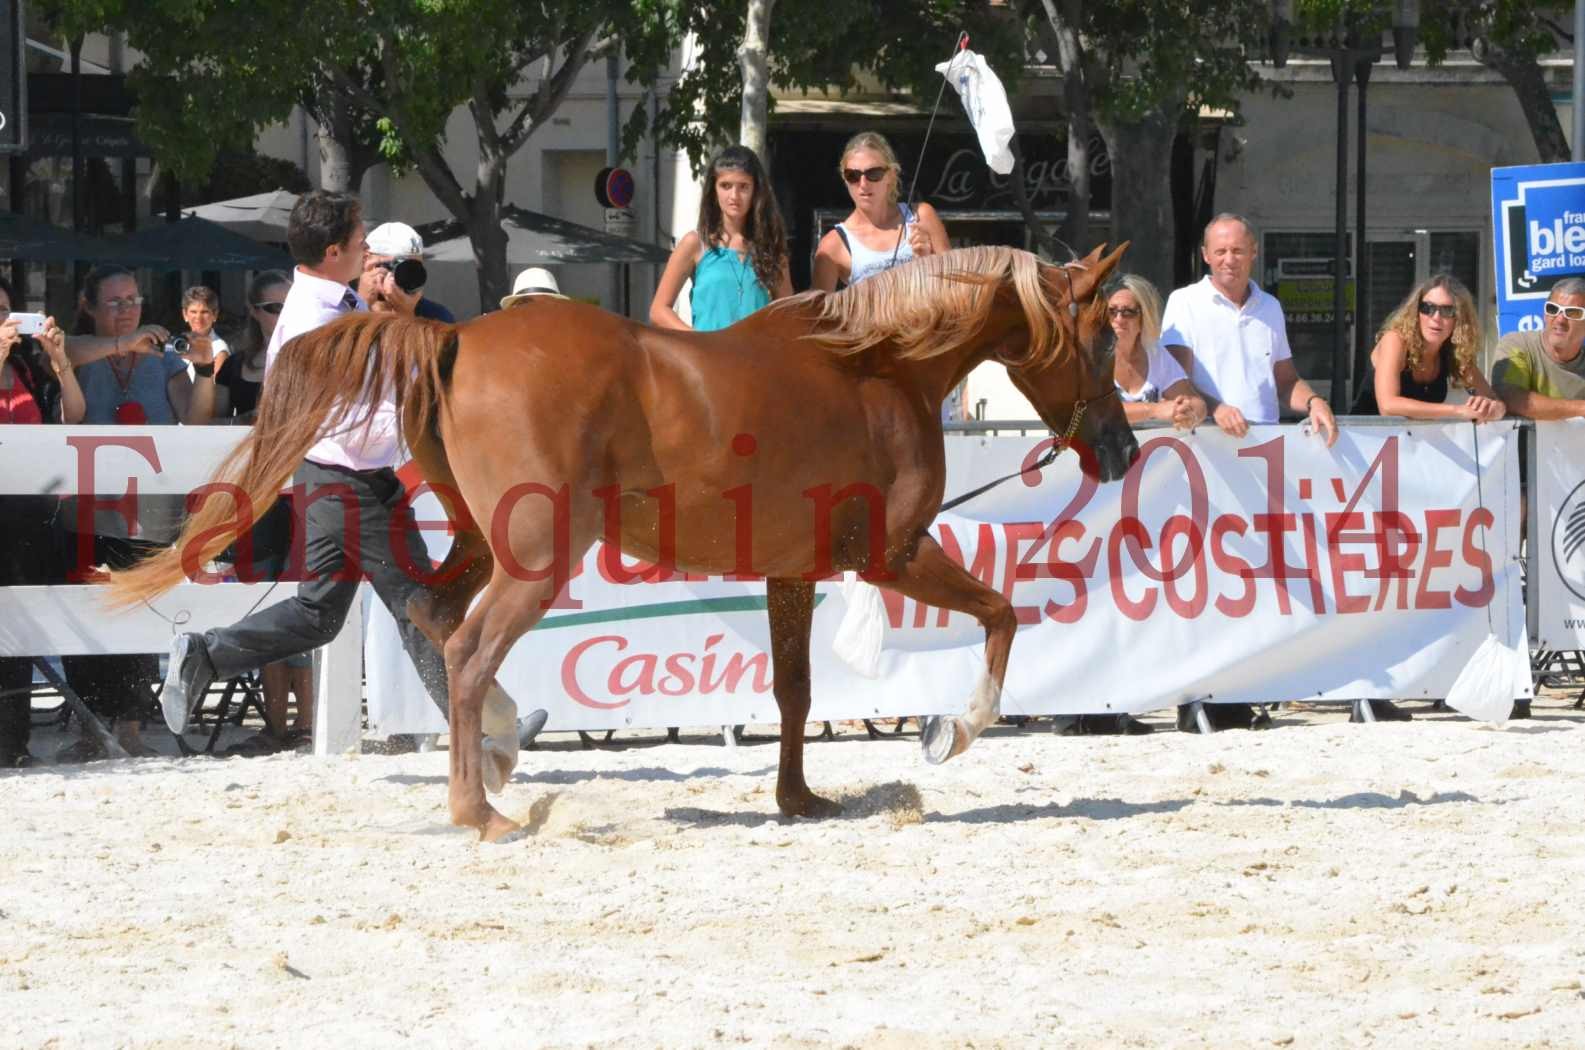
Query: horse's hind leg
{"x": 510, "y": 607}
{"x": 935, "y": 579}
{"x": 791, "y": 606}
{"x": 437, "y": 611}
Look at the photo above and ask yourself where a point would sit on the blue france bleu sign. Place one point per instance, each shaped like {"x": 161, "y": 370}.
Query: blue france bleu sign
{"x": 1538, "y": 234}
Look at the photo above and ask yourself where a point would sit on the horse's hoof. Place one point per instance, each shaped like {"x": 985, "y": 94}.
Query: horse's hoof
{"x": 939, "y": 739}
{"x": 498, "y": 829}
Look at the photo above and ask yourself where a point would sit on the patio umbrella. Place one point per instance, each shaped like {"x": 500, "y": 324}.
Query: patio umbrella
{"x": 34, "y": 241}
{"x": 198, "y": 244}
{"x": 534, "y": 239}
{"x": 261, "y": 217}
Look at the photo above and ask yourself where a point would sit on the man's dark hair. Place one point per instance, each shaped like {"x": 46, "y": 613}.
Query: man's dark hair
{"x": 320, "y": 219}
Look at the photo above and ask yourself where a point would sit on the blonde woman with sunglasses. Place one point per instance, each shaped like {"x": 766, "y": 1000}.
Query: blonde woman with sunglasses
{"x": 1426, "y": 348}
{"x": 880, "y": 232}
{"x": 1151, "y": 383}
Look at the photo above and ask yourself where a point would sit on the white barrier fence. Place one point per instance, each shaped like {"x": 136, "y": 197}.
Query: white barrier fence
{"x": 1262, "y": 569}
{"x": 67, "y": 620}
{"x": 1268, "y": 568}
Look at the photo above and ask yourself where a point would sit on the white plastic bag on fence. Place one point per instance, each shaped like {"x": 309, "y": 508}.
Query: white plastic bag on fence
{"x": 863, "y": 627}
{"x": 1487, "y": 686}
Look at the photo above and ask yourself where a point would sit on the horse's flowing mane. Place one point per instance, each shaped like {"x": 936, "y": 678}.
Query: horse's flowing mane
{"x": 932, "y": 306}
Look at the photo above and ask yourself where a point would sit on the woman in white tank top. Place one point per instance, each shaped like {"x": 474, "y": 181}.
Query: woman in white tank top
{"x": 880, "y": 232}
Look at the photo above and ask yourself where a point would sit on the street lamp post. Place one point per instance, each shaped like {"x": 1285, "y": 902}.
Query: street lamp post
{"x": 1352, "y": 47}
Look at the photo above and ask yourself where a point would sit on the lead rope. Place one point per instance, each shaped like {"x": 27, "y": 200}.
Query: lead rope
{"x": 1047, "y": 458}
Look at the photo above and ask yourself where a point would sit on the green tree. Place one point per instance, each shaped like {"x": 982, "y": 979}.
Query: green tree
{"x": 1139, "y": 70}
{"x": 822, "y": 45}
{"x": 1133, "y": 71}
{"x": 384, "y": 72}
{"x": 1509, "y": 37}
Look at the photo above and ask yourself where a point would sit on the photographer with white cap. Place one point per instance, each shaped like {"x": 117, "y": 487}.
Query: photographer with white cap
{"x": 397, "y": 249}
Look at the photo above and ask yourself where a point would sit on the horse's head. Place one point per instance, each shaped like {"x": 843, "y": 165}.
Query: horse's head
{"x": 1081, "y": 384}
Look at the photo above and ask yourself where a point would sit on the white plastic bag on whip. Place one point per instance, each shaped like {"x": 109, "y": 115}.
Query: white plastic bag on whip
{"x": 863, "y": 628}
{"x": 985, "y": 102}
{"x": 1490, "y": 681}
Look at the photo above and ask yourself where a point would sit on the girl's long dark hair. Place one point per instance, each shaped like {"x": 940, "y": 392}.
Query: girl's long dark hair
{"x": 766, "y": 236}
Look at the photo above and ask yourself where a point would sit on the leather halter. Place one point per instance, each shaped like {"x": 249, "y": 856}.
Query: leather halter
{"x": 1058, "y": 446}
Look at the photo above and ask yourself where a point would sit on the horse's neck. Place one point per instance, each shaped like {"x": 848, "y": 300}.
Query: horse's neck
{"x": 936, "y": 376}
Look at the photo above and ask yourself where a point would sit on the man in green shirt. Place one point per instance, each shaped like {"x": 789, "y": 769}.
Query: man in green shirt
{"x": 1541, "y": 375}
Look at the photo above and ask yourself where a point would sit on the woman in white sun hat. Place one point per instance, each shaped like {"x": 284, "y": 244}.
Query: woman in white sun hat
{"x": 536, "y": 280}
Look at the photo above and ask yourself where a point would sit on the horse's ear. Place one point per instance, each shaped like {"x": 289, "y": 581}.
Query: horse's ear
{"x": 1095, "y": 272}
{"x": 1095, "y": 253}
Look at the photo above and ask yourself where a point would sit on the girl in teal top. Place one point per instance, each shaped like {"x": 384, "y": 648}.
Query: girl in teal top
{"x": 737, "y": 258}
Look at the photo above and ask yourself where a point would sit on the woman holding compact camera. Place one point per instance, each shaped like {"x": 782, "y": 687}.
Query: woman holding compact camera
{"x": 135, "y": 373}
{"x": 131, "y": 374}
{"x": 36, "y": 386}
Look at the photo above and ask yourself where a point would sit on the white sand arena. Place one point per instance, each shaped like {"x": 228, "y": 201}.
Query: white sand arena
{"x": 1320, "y": 884}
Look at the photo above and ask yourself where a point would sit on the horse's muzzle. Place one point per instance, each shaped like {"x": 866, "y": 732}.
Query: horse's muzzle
{"x": 1116, "y": 451}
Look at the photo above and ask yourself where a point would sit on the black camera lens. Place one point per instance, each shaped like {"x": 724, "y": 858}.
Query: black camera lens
{"x": 410, "y": 275}
{"x": 178, "y": 344}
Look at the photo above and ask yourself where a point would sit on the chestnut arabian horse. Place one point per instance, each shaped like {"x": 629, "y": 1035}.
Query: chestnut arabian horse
{"x": 803, "y": 441}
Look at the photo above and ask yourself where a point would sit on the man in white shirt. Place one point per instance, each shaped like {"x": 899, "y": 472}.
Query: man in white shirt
{"x": 1232, "y": 340}
{"x": 354, "y": 506}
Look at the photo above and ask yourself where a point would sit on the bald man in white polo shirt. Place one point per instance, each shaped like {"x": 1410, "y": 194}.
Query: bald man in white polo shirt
{"x": 1232, "y": 340}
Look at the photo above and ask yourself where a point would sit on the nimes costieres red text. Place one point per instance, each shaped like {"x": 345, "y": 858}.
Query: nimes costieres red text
{"x": 1407, "y": 552}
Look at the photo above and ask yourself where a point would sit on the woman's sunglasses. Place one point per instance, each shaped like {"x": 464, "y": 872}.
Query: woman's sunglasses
{"x": 269, "y": 308}
{"x": 853, "y": 175}
{"x": 1573, "y": 313}
{"x": 1129, "y": 312}
{"x": 1444, "y": 310}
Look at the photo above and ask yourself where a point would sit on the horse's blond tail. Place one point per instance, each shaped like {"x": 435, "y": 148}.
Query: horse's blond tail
{"x": 329, "y": 379}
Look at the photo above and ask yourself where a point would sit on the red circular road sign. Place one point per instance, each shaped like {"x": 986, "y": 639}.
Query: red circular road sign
{"x": 613, "y": 187}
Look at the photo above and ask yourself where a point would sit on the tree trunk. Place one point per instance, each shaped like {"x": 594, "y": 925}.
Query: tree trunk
{"x": 336, "y": 146}
{"x": 1142, "y": 192}
{"x": 1060, "y": 31}
{"x": 752, "y": 57}
{"x": 1523, "y": 74}
{"x": 489, "y": 253}
{"x": 484, "y": 230}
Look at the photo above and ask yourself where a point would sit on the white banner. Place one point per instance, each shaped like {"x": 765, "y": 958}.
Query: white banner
{"x": 1268, "y": 568}
{"x": 1557, "y": 527}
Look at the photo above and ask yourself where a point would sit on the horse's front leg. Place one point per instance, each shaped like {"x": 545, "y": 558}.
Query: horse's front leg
{"x": 791, "y": 607}
{"x": 935, "y": 579}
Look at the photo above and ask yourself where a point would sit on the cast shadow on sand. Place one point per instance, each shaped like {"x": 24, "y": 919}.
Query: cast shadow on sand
{"x": 1361, "y": 800}
{"x": 578, "y": 776}
{"x": 1081, "y": 808}
{"x": 899, "y": 802}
